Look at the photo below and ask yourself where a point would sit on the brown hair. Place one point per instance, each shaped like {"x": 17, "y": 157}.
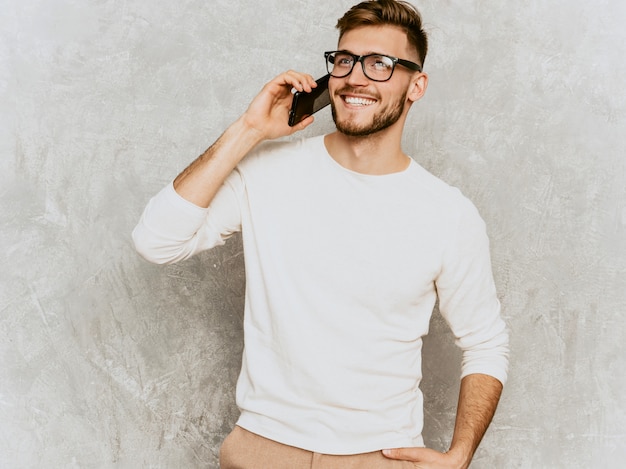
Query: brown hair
{"x": 387, "y": 12}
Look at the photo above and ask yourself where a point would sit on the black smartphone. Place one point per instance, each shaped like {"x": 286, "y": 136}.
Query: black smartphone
{"x": 305, "y": 104}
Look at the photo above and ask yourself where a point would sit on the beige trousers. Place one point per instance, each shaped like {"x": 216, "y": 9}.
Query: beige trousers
{"x": 245, "y": 450}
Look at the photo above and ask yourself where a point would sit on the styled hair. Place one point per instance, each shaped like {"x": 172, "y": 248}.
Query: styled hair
{"x": 387, "y": 12}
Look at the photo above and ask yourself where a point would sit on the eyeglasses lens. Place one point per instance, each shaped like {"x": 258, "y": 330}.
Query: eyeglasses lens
{"x": 376, "y": 67}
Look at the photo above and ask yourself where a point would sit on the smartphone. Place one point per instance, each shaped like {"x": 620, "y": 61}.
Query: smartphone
{"x": 306, "y": 104}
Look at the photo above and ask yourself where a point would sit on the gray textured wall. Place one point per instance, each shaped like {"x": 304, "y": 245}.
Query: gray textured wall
{"x": 106, "y": 361}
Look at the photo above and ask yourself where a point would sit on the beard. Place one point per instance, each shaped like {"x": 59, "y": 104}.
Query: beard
{"x": 382, "y": 119}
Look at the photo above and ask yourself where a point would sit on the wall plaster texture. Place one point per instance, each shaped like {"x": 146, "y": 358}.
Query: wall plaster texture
{"x": 107, "y": 361}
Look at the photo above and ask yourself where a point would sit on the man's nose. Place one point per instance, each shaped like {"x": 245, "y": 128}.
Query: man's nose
{"x": 357, "y": 75}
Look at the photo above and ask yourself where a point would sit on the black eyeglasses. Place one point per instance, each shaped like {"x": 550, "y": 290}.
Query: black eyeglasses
{"x": 376, "y": 67}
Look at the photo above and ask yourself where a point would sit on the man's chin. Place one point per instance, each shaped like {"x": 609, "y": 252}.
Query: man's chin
{"x": 354, "y": 131}
{"x": 366, "y": 127}
{"x": 351, "y": 128}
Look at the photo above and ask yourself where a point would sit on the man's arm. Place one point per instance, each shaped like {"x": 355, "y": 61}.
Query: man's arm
{"x": 265, "y": 119}
{"x": 174, "y": 225}
{"x": 468, "y": 302}
{"x": 478, "y": 400}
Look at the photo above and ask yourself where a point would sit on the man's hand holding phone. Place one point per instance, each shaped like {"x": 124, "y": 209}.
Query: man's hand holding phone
{"x": 266, "y": 118}
{"x": 268, "y": 113}
{"x": 305, "y": 104}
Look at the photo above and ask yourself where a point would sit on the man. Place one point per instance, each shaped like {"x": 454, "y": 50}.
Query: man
{"x": 348, "y": 243}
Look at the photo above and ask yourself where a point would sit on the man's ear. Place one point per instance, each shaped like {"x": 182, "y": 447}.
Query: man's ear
{"x": 417, "y": 87}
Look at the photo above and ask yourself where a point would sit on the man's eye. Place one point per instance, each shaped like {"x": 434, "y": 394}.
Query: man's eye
{"x": 380, "y": 63}
{"x": 343, "y": 61}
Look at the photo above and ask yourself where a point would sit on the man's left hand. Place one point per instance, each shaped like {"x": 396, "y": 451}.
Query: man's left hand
{"x": 425, "y": 458}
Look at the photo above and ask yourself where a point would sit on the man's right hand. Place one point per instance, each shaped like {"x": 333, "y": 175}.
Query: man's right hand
{"x": 268, "y": 113}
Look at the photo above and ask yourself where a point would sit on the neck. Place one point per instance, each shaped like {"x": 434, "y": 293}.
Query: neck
{"x": 376, "y": 154}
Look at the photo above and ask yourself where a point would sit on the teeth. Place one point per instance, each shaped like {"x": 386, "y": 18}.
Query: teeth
{"x": 359, "y": 101}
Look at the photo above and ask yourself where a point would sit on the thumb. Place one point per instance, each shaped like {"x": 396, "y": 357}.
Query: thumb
{"x": 303, "y": 124}
{"x": 406, "y": 454}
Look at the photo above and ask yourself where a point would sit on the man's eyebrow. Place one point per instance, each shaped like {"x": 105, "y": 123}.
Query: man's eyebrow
{"x": 366, "y": 53}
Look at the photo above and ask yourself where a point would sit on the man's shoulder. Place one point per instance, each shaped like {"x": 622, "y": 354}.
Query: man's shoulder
{"x": 423, "y": 180}
{"x": 277, "y": 152}
{"x": 442, "y": 196}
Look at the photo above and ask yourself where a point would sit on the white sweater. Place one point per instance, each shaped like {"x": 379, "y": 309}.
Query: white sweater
{"x": 342, "y": 273}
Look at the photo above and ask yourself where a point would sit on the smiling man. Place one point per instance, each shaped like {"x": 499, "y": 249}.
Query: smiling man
{"x": 348, "y": 244}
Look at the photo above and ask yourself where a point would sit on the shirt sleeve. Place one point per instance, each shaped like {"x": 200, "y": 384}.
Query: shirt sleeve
{"x": 468, "y": 300}
{"x": 172, "y": 229}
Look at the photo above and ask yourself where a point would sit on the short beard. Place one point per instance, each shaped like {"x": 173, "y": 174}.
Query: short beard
{"x": 382, "y": 120}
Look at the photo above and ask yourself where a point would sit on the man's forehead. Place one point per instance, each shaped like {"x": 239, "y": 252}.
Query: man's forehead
{"x": 386, "y": 39}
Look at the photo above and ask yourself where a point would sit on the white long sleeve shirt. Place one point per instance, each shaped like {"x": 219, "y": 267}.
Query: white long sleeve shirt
{"x": 342, "y": 273}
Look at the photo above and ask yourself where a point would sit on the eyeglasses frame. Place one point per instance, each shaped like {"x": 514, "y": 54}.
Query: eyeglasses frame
{"x": 360, "y": 58}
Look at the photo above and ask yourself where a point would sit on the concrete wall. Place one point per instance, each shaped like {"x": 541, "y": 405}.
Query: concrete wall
{"x": 107, "y": 361}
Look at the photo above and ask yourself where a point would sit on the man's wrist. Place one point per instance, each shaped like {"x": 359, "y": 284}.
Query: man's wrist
{"x": 461, "y": 457}
{"x": 247, "y": 132}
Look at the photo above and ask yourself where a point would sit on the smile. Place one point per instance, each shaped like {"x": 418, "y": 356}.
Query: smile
{"x": 355, "y": 101}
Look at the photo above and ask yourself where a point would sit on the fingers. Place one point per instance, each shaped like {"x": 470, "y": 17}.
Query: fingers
{"x": 268, "y": 112}
{"x": 299, "y": 81}
{"x": 396, "y": 453}
{"x": 425, "y": 458}
{"x": 409, "y": 454}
